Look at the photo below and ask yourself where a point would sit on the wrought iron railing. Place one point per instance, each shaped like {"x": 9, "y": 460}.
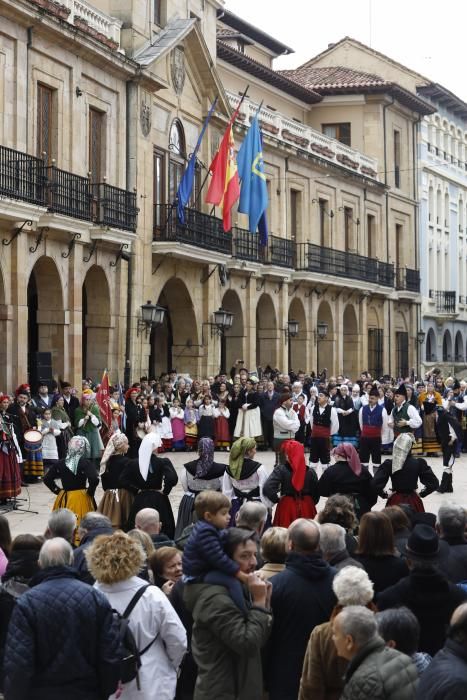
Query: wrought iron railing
{"x": 22, "y": 176}
{"x": 115, "y": 207}
{"x": 199, "y": 229}
{"x": 246, "y": 245}
{"x": 445, "y": 301}
{"x": 408, "y": 279}
{"x": 281, "y": 252}
{"x": 315, "y": 258}
{"x": 69, "y": 194}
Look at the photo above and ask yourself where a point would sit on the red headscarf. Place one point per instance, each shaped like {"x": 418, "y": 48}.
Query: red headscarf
{"x": 348, "y": 451}
{"x": 295, "y": 454}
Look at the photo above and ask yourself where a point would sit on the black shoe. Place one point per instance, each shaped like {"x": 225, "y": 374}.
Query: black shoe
{"x": 446, "y": 483}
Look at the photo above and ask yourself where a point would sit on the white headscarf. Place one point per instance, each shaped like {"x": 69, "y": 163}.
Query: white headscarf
{"x": 401, "y": 450}
{"x": 150, "y": 442}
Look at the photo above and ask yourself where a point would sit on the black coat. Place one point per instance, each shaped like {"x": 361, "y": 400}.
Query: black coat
{"x": 113, "y": 471}
{"x": 62, "y": 641}
{"x": 384, "y": 571}
{"x": 339, "y": 478}
{"x": 405, "y": 480}
{"x": 268, "y": 405}
{"x": 453, "y": 558}
{"x": 279, "y": 483}
{"x": 79, "y": 555}
{"x": 70, "y": 407}
{"x": 432, "y": 599}
{"x": 302, "y": 597}
{"x": 446, "y": 676}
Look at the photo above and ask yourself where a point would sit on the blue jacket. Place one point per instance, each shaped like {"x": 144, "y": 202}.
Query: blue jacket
{"x": 302, "y": 598}
{"x": 62, "y": 641}
{"x": 203, "y": 552}
{"x": 446, "y": 676}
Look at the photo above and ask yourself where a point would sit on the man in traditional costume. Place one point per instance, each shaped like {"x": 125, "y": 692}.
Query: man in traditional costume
{"x": 25, "y": 419}
{"x": 285, "y": 423}
{"x": 324, "y": 422}
{"x": 372, "y": 417}
{"x": 404, "y": 417}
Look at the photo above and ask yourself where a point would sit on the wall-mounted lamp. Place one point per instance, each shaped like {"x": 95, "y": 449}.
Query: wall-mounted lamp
{"x": 151, "y": 315}
{"x": 321, "y": 331}
{"x": 78, "y": 91}
{"x": 323, "y": 208}
{"x": 291, "y": 329}
{"x": 223, "y": 320}
{"x": 349, "y": 216}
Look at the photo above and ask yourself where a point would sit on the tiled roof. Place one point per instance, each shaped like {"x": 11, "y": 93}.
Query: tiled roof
{"x": 340, "y": 79}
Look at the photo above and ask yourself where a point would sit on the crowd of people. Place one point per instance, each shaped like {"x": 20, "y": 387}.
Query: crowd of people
{"x": 248, "y": 593}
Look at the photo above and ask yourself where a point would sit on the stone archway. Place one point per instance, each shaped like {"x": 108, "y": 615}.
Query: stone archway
{"x": 175, "y": 344}
{"x": 430, "y": 346}
{"x": 266, "y": 332}
{"x": 232, "y": 342}
{"x": 96, "y": 323}
{"x": 447, "y": 346}
{"x": 298, "y": 346}
{"x": 325, "y": 347}
{"x": 459, "y": 345}
{"x": 46, "y": 316}
{"x": 350, "y": 325}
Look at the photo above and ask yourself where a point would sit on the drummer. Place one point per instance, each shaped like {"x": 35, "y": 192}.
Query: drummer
{"x": 24, "y": 418}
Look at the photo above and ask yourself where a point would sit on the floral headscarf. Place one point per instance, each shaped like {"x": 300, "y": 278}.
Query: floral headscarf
{"x": 401, "y": 450}
{"x": 77, "y": 447}
{"x": 117, "y": 444}
{"x": 237, "y": 455}
{"x": 350, "y": 454}
{"x": 206, "y": 457}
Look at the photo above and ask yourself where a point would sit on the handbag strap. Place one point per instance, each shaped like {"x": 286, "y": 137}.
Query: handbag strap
{"x": 129, "y": 608}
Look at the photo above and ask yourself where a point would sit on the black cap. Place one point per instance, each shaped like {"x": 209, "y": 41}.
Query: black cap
{"x": 401, "y": 390}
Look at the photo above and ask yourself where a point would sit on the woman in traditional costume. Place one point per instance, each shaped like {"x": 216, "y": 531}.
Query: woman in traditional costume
{"x": 249, "y": 416}
{"x": 10, "y": 455}
{"x": 88, "y": 422}
{"x": 116, "y": 502}
{"x": 428, "y": 402}
{"x": 79, "y": 479}
{"x": 61, "y": 416}
{"x": 293, "y": 486}
{"x": 244, "y": 478}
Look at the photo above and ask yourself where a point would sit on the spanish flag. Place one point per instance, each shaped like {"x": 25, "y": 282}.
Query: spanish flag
{"x": 224, "y": 189}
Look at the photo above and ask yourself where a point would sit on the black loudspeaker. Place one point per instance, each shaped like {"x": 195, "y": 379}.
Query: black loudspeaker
{"x": 40, "y": 368}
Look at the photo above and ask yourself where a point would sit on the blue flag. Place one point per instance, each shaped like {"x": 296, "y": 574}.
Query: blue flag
{"x": 185, "y": 187}
{"x": 253, "y": 184}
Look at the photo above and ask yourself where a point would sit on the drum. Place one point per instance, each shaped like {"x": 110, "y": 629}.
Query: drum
{"x": 33, "y": 440}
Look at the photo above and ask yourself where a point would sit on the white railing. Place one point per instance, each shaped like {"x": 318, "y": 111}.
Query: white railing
{"x": 306, "y": 138}
{"x": 109, "y": 26}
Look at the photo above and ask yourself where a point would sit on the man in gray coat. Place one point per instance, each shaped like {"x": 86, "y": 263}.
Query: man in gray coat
{"x": 375, "y": 671}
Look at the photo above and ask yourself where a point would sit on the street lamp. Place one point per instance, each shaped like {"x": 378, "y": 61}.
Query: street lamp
{"x": 321, "y": 330}
{"x": 222, "y": 321}
{"x": 291, "y": 329}
{"x": 151, "y": 315}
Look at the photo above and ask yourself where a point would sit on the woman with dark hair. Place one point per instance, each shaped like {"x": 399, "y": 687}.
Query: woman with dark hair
{"x": 400, "y": 526}
{"x": 376, "y": 551}
{"x": 166, "y": 566}
{"x": 202, "y": 474}
{"x": 347, "y": 476}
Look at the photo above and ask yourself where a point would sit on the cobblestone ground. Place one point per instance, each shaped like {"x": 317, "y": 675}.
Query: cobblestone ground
{"x": 38, "y": 498}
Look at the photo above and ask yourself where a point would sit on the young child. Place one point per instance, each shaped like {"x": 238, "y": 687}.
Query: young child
{"x": 178, "y": 425}
{"x": 206, "y": 418}
{"x": 50, "y": 430}
{"x": 191, "y": 425}
{"x": 204, "y": 559}
{"x": 221, "y": 426}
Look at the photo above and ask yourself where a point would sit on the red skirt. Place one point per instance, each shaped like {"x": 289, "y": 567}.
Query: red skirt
{"x": 221, "y": 431}
{"x": 10, "y": 475}
{"x": 411, "y": 499}
{"x": 290, "y": 508}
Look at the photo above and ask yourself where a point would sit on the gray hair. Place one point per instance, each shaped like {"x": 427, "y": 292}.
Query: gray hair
{"x": 251, "y": 515}
{"x": 451, "y": 519}
{"x": 55, "y": 552}
{"x": 352, "y": 586}
{"x": 147, "y": 518}
{"x": 304, "y": 535}
{"x": 358, "y": 622}
{"x": 61, "y": 523}
{"x": 93, "y": 520}
{"x": 332, "y": 538}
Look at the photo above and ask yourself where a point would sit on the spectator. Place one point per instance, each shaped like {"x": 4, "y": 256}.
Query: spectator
{"x": 302, "y": 598}
{"x": 252, "y": 516}
{"x": 115, "y": 561}
{"x": 374, "y": 671}
{"x": 323, "y": 669}
{"x": 333, "y": 547}
{"x": 5, "y": 543}
{"x": 61, "y": 523}
{"x": 426, "y": 591}
{"x": 273, "y": 549}
{"x": 166, "y": 566}
{"x": 451, "y": 524}
{"x": 227, "y": 642}
{"x": 377, "y": 553}
{"x": 400, "y": 630}
{"x": 62, "y": 641}
{"x": 446, "y": 677}
{"x": 268, "y": 402}
{"x": 347, "y": 476}
{"x": 148, "y": 521}
{"x": 339, "y": 510}
{"x": 401, "y": 527}
{"x": 91, "y": 526}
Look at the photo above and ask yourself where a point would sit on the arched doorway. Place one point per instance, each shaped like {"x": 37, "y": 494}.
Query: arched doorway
{"x": 375, "y": 361}
{"x": 46, "y": 317}
{"x": 266, "y": 332}
{"x": 96, "y": 323}
{"x": 175, "y": 344}
{"x": 297, "y": 351}
{"x": 325, "y": 347}
{"x": 351, "y": 364}
{"x": 232, "y": 341}
{"x": 447, "y": 347}
{"x": 459, "y": 356}
{"x": 430, "y": 346}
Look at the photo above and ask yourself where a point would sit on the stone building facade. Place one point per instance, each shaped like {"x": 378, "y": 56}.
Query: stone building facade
{"x": 100, "y": 107}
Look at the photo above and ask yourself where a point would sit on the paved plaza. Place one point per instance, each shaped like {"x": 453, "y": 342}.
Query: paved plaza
{"x": 39, "y": 498}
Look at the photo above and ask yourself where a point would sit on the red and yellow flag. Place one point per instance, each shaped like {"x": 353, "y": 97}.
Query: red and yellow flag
{"x": 224, "y": 188}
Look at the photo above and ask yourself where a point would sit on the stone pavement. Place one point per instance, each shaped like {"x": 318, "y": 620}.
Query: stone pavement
{"x": 39, "y": 498}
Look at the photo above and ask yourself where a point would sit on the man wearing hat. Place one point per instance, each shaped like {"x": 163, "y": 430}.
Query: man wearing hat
{"x": 449, "y": 434}
{"x": 371, "y": 418}
{"x": 71, "y": 402}
{"x": 404, "y": 417}
{"x": 285, "y": 423}
{"x": 425, "y": 591}
{"x": 24, "y": 418}
{"x": 324, "y": 422}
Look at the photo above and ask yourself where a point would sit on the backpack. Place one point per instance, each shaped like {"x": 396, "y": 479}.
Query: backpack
{"x": 130, "y": 662}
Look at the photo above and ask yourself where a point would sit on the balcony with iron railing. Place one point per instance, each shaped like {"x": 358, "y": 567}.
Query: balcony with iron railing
{"x": 200, "y": 230}
{"x": 315, "y": 258}
{"x": 445, "y": 301}
{"x": 408, "y": 279}
{"x": 29, "y": 179}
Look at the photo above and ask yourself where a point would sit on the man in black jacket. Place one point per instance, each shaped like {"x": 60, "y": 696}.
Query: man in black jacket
{"x": 62, "y": 639}
{"x": 268, "y": 402}
{"x": 449, "y": 435}
{"x": 90, "y": 527}
{"x": 302, "y": 597}
{"x": 446, "y": 676}
{"x": 451, "y": 524}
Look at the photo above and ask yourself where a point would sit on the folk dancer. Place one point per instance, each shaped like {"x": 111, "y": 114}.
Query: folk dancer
{"x": 25, "y": 419}
{"x": 372, "y": 417}
{"x": 324, "y": 422}
{"x": 286, "y": 423}
{"x": 10, "y": 454}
